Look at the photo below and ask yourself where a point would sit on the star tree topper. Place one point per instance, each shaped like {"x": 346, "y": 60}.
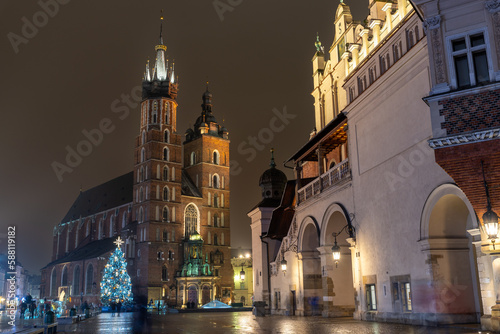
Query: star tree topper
{"x": 119, "y": 242}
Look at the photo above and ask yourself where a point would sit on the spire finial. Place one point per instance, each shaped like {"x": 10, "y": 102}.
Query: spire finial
{"x": 317, "y": 44}
{"x": 161, "y": 26}
{"x": 272, "y": 163}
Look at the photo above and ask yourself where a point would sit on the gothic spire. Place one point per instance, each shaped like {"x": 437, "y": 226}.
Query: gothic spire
{"x": 160, "y": 70}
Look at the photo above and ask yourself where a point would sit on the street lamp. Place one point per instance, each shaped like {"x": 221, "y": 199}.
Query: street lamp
{"x": 242, "y": 274}
{"x": 336, "y": 251}
{"x": 283, "y": 265}
{"x": 336, "y": 247}
{"x": 490, "y": 218}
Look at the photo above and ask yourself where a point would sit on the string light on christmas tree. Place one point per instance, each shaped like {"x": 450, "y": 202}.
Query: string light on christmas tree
{"x": 115, "y": 284}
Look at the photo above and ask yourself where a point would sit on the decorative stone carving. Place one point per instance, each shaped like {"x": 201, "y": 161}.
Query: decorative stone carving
{"x": 433, "y": 22}
{"x": 438, "y": 55}
{"x": 493, "y": 6}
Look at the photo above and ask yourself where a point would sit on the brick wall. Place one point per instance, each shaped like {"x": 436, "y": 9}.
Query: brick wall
{"x": 463, "y": 164}
{"x": 473, "y": 112}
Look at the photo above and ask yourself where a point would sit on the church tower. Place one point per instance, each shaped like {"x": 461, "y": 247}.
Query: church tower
{"x": 206, "y": 164}
{"x": 157, "y": 182}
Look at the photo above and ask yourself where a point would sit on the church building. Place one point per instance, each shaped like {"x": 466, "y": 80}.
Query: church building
{"x": 172, "y": 210}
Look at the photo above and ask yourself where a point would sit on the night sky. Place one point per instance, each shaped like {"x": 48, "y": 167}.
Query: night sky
{"x": 65, "y": 76}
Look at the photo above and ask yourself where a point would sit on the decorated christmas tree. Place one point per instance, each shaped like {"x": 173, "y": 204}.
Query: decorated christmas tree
{"x": 115, "y": 285}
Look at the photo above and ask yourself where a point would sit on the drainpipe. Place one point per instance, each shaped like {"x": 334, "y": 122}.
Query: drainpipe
{"x": 268, "y": 270}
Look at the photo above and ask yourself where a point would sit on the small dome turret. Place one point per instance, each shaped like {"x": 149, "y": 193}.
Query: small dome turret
{"x": 272, "y": 181}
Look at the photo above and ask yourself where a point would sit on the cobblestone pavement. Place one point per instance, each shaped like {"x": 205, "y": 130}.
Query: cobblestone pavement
{"x": 244, "y": 322}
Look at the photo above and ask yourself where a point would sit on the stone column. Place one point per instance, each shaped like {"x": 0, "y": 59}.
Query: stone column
{"x": 375, "y": 26}
{"x": 354, "y": 49}
{"x": 388, "y": 16}
{"x": 432, "y": 26}
{"x": 364, "y": 36}
{"x": 493, "y": 7}
{"x": 326, "y": 280}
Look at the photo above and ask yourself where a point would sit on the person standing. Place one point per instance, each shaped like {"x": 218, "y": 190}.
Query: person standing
{"x": 118, "y": 307}
{"x": 113, "y": 308}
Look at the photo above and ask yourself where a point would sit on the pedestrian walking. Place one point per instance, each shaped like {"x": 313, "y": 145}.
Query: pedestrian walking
{"x": 113, "y": 308}
{"x": 32, "y": 308}
{"x": 118, "y": 307}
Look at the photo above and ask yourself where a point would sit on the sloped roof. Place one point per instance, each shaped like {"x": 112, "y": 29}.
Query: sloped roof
{"x": 89, "y": 251}
{"x": 283, "y": 215}
{"x": 188, "y": 186}
{"x": 267, "y": 203}
{"x": 111, "y": 194}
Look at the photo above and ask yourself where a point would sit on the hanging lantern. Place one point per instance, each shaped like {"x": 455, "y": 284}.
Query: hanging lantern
{"x": 336, "y": 252}
{"x": 283, "y": 265}
{"x": 242, "y": 274}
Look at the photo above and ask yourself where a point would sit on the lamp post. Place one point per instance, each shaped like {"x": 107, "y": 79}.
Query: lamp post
{"x": 490, "y": 218}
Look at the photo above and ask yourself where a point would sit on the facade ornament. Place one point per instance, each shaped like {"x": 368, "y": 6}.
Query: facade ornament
{"x": 432, "y": 23}
{"x": 493, "y": 6}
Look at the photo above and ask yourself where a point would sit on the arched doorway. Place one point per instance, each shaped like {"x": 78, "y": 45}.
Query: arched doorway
{"x": 192, "y": 297}
{"x": 205, "y": 295}
{"x": 309, "y": 255}
{"x": 450, "y": 256}
{"x": 337, "y": 278}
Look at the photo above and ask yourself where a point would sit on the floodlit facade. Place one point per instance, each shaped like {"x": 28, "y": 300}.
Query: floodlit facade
{"x": 172, "y": 210}
{"x": 367, "y": 181}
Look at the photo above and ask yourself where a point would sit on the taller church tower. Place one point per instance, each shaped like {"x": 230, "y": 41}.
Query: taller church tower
{"x": 181, "y": 198}
{"x": 157, "y": 182}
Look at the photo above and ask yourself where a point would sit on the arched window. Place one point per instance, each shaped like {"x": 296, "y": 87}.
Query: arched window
{"x": 141, "y": 195}
{"x": 216, "y": 242}
{"x": 191, "y": 220}
{"x": 124, "y": 219}
{"x": 53, "y": 282}
{"x": 143, "y": 137}
{"x": 64, "y": 277}
{"x": 166, "y": 194}
{"x": 216, "y": 201}
{"x": 165, "y": 173}
{"x": 165, "y": 214}
{"x": 87, "y": 229}
{"x": 167, "y": 113}
{"x": 209, "y": 238}
{"x": 111, "y": 225}
{"x": 141, "y": 215}
{"x": 155, "y": 111}
{"x": 89, "y": 279}
{"x": 165, "y": 154}
{"x": 215, "y": 181}
{"x": 164, "y": 273}
{"x": 143, "y": 154}
{"x": 141, "y": 174}
{"x": 165, "y": 235}
{"x": 222, "y": 239}
{"x": 193, "y": 158}
{"x": 411, "y": 40}
{"x": 101, "y": 230}
{"x": 216, "y": 220}
{"x": 167, "y": 136}
{"x": 216, "y": 157}
{"x": 76, "y": 281}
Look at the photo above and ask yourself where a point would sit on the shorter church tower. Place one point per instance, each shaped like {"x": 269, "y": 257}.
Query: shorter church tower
{"x": 272, "y": 183}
